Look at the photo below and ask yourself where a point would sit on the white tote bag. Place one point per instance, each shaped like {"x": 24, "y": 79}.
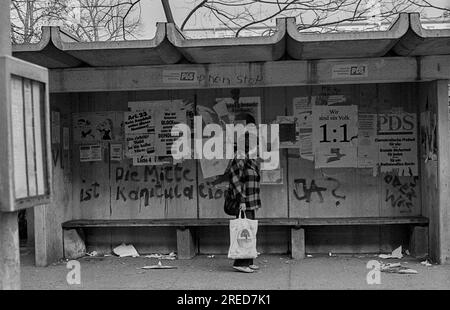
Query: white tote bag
{"x": 243, "y": 238}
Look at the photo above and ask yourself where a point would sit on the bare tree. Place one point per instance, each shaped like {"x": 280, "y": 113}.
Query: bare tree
{"x": 87, "y": 20}
{"x": 239, "y": 15}
{"x": 94, "y": 20}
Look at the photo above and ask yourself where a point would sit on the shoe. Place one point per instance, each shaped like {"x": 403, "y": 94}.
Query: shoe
{"x": 243, "y": 269}
{"x": 254, "y": 267}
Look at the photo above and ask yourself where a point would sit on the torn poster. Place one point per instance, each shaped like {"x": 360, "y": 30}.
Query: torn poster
{"x": 213, "y": 167}
{"x": 303, "y": 114}
{"x": 96, "y": 127}
{"x": 288, "y": 133}
{"x": 272, "y": 176}
{"x": 335, "y": 132}
{"x": 367, "y": 148}
{"x": 236, "y": 107}
{"x": 397, "y": 143}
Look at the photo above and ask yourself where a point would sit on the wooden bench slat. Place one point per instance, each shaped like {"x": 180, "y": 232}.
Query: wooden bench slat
{"x": 417, "y": 220}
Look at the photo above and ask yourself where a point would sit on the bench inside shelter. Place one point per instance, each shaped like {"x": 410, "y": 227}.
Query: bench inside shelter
{"x": 186, "y": 248}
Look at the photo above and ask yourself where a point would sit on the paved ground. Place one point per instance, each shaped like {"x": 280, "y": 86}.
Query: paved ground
{"x": 277, "y": 272}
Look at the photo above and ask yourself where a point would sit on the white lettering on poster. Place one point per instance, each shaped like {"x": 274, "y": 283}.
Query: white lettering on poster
{"x": 345, "y": 71}
{"x": 303, "y": 115}
{"x": 179, "y": 76}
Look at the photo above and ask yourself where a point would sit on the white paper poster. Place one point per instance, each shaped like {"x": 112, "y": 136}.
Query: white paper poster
{"x": 335, "y": 130}
{"x": 250, "y": 105}
{"x": 272, "y": 176}
{"x": 91, "y": 127}
{"x": 367, "y": 147}
{"x": 397, "y": 143}
{"x": 116, "y": 151}
{"x": 213, "y": 167}
{"x": 90, "y": 153}
{"x": 147, "y": 160}
{"x": 303, "y": 114}
{"x": 139, "y": 133}
{"x": 165, "y": 114}
{"x": 167, "y": 118}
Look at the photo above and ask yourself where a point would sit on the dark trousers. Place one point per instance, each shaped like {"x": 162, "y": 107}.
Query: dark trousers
{"x": 250, "y": 214}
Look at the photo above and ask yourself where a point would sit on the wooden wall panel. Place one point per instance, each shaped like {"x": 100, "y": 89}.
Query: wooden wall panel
{"x": 305, "y": 192}
{"x": 320, "y": 192}
{"x": 167, "y": 191}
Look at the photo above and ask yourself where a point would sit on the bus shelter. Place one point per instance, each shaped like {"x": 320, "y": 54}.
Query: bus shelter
{"x": 364, "y": 127}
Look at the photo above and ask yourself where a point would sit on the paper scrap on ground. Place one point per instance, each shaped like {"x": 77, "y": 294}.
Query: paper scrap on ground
{"x": 397, "y": 268}
{"x": 159, "y": 266}
{"x": 170, "y": 256}
{"x": 124, "y": 250}
{"x": 426, "y": 263}
{"x": 397, "y": 253}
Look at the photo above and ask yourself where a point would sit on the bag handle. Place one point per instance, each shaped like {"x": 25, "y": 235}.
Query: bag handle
{"x": 242, "y": 211}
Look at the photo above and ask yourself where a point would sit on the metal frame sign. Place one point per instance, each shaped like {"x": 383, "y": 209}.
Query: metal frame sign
{"x": 25, "y": 165}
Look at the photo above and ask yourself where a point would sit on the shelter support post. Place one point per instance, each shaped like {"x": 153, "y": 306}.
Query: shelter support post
{"x": 298, "y": 243}
{"x": 442, "y": 218}
{"x": 9, "y": 251}
{"x": 185, "y": 243}
{"x": 418, "y": 242}
{"x": 9, "y": 230}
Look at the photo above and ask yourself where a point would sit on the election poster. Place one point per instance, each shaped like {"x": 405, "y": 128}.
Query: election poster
{"x": 165, "y": 114}
{"x": 92, "y": 127}
{"x": 367, "y": 148}
{"x": 139, "y": 133}
{"x": 335, "y": 133}
{"x": 90, "y": 153}
{"x": 236, "y": 107}
{"x": 397, "y": 143}
{"x": 303, "y": 116}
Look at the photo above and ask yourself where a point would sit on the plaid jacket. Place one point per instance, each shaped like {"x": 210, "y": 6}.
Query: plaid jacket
{"x": 244, "y": 181}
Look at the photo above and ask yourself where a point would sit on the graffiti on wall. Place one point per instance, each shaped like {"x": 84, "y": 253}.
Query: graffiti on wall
{"x": 314, "y": 190}
{"x": 400, "y": 194}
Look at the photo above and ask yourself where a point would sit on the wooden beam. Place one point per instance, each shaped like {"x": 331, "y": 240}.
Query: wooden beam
{"x": 264, "y": 74}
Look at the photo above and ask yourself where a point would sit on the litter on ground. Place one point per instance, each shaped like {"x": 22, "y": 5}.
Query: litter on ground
{"x": 170, "y": 256}
{"x": 397, "y": 268}
{"x": 124, "y": 250}
{"x": 426, "y": 263}
{"x": 159, "y": 266}
{"x": 397, "y": 253}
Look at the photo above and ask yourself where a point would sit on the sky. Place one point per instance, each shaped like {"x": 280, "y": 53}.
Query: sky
{"x": 152, "y": 12}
